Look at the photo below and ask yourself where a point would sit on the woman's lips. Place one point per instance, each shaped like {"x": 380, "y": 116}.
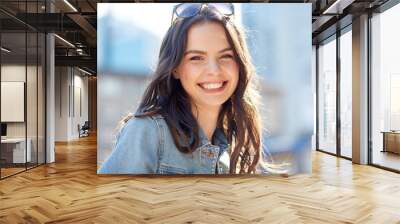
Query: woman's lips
{"x": 213, "y": 87}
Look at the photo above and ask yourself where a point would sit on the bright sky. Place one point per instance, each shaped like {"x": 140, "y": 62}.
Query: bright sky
{"x": 145, "y": 14}
{"x": 140, "y": 14}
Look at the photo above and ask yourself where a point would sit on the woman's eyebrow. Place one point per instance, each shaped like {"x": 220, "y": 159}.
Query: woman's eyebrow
{"x": 203, "y": 52}
{"x": 195, "y": 52}
{"x": 226, "y": 49}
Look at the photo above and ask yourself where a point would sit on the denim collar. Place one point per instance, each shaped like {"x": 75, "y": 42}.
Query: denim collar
{"x": 218, "y": 137}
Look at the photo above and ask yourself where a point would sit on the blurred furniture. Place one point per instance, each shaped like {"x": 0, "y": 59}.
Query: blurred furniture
{"x": 391, "y": 141}
{"x": 3, "y": 130}
{"x": 13, "y": 150}
{"x": 84, "y": 130}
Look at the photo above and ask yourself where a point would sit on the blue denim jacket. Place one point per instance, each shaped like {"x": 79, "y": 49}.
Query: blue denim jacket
{"x": 145, "y": 146}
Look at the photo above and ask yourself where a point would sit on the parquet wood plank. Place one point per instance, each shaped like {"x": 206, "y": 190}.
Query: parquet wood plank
{"x": 70, "y": 191}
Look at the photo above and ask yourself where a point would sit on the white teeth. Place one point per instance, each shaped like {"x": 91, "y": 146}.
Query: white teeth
{"x": 215, "y": 85}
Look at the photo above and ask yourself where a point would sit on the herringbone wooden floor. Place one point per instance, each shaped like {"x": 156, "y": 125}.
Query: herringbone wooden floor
{"x": 69, "y": 191}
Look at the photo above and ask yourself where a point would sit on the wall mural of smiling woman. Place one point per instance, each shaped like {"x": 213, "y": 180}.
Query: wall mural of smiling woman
{"x": 199, "y": 112}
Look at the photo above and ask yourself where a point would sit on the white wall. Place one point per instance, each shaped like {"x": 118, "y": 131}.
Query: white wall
{"x": 61, "y": 103}
{"x": 70, "y": 84}
{"x": 12, "y": 73}
{"x": 80, "y": 84}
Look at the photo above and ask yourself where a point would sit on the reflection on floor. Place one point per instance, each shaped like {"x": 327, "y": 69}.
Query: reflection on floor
{"x": 10, "y": 169}
{"x": 346, "y": 152}
{"x": 386, "y": 159}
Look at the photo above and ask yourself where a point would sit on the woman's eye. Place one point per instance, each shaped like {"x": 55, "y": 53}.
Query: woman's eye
{"x": 195, "y": 58}
{"x": 227, "y": 56}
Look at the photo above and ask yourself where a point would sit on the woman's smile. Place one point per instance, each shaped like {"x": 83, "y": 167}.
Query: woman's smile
{"x": 213, "y": 87}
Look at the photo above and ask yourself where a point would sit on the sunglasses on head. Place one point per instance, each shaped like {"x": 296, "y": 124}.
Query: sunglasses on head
{"x": 186, "y": 10}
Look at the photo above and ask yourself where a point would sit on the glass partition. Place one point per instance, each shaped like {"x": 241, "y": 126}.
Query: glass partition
{"x": 14, "y": 154}
{"x": 41, "y": 109}
{"x": 31, "y": 100}
{"x": 22, "y": 90}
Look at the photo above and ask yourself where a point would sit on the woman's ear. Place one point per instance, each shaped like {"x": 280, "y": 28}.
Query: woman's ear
{"x": 175, "y": 74}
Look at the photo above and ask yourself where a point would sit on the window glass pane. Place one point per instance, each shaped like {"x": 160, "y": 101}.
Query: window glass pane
{"x": 313, "y": 86}
{"x": 327, "y": 96}
{"x": 346, "y": 93}
{"x": 386, "y": 88}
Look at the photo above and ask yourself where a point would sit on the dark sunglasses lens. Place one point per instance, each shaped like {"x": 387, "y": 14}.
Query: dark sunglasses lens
{"x": 188, "y": 9}
{"x": 224, "y": 8}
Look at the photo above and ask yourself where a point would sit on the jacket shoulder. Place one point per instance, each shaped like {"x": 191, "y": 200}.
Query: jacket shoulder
{"x": 137, "y": 149}
{"x": 147, "y": 122}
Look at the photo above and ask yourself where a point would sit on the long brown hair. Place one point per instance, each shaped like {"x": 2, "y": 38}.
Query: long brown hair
{"x": 238, "y": 118}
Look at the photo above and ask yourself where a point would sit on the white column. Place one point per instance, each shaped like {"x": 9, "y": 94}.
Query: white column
{"x": 50, "y": 110}
{"x": 360, "y": 90}
{"x": 50, "y": 93}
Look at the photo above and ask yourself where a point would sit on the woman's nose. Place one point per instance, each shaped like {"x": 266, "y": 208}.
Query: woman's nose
{"x": 213, "y": 67}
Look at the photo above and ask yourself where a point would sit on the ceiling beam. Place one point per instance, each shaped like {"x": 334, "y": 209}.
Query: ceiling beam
{"x": 337, "y": 7}
{"x": 83, "y": 61}
{"x": 86, "y": 26}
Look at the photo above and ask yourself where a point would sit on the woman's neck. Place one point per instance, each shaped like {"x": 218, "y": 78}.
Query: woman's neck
{"x": 207, "y": 118}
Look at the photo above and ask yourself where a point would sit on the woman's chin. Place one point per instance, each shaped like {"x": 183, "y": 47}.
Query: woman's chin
{"x": 213, "y": 102}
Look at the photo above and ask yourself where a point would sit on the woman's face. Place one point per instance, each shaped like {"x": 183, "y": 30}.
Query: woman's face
{"x": 208, "y": 71}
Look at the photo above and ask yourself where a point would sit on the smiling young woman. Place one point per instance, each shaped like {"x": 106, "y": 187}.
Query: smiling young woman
{"x": 208, "y": 73}
{"x": 199, "y": 113}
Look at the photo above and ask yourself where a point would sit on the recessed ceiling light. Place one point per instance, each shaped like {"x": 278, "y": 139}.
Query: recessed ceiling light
{"x": 70, "y": 5}
{"x": 64, "y": 40}
{"x": 84, "y": 71}
{"x": 5, "y": 50}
